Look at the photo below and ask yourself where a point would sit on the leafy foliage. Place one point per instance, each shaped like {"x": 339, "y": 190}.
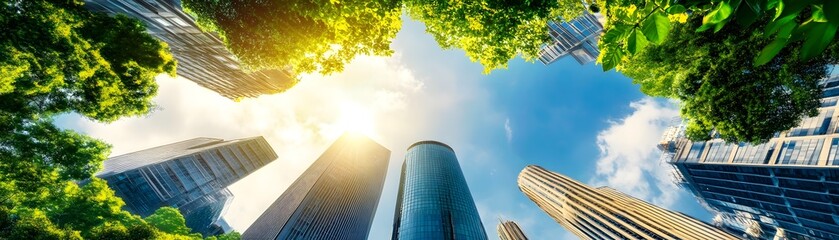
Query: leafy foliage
{"x": 306, "y": 35}
{"x": 812, "y": 22}
{"x": 169, "y": 220}
{"x": 56, "y": 58}
{"x": 724, "y": 92}
{"x": 492, "y": 32}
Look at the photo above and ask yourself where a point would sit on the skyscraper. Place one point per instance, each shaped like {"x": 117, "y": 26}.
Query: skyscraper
{"x": 434, "y": 202}
{"x": 335, "y": 198}
{"x": 577, "y": 37}
{"x": 202, "y": 57}
{"x": 604, "y": 213}
{"x": 790, "y": 182}
{"x": 191, "y": 175}
{"x": 509, "y": 230}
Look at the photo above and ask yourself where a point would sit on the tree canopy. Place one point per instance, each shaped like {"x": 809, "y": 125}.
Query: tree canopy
{"x": 306, "y": 35}
{"x": 722, "y": 91}
{"x": 492, "y": 32}
{"x": 58, "y": 57}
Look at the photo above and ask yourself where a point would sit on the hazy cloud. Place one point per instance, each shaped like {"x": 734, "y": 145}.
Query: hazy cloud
{"x": 508, "y": 130}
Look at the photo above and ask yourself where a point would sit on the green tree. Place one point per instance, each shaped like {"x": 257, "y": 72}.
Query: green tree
{"x": 492, "y": 32}
{"x": 168, "y": 220}
{"x": 306, "y": 35}
{"x": 722, "y": 91}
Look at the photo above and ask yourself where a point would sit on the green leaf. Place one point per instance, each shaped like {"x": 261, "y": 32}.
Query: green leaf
{"x": 817, "y": 39}
{"x": 831, "y": 11}
{"x": 788, "y": 8}
{"x": 777, "y": 24}
{"x": 770, "y": 51}
{"x": 719, "y": 14}
{"x": 818, "y": 14}
{"x": 616, "y": 34}
{"x": 610, "y": 57}
{"x": 800, "y": 32}
{"x": 746, "y": 14}
{"x": 676, "y": 9}
{"x": 636, "y": 41}
{"x": 656, "y": 27}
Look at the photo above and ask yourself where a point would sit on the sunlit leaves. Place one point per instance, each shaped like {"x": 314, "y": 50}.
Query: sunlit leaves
{"x": 656, "y": 27}
{"x": 492, "y": 32}
{"x": 306, "y": 36}
{"x": 636, "y": 41}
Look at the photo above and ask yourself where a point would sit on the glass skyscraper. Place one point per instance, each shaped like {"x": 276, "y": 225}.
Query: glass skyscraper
{"x": 434, "y": 202}
{"x": 577, "y": 37}
{"x": 790, "y": 182}
{"x": 202, "y": 57}
{"x": 335, "y": 198}
{"x": 509, "y": 230}
{"x": 190, "y": 175}
{"x": 605, "y": 213}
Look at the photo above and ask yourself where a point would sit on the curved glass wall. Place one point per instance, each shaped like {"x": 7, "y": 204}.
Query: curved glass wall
{"x": 434, "y": 201}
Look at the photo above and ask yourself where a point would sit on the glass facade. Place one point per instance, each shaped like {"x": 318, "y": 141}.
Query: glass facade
{"x": 335, "y": 198}
{"x": 202, "y": 57}
{"x": 790, "y": 183}
{"x": 577, "y": 38}
{"x": 190, "y": 175}
{"x": 434, "y": 202}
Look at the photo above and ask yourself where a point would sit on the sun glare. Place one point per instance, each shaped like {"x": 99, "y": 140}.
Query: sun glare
{"x": 356, "y": 119}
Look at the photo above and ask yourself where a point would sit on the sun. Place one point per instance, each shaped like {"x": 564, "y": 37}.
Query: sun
{"x": 355, "y": 118}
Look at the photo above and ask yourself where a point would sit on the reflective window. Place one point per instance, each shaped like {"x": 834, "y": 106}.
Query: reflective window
{"x": 695, "y": 152}
{"x": 801, "y": 152}
{"x": 755, "y": 154}
{"x": 817, "y": 125}
{"x": 718, "y": 152}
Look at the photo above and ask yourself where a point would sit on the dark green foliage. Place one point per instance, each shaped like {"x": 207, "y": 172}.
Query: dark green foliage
{"x": 721, "y": 90}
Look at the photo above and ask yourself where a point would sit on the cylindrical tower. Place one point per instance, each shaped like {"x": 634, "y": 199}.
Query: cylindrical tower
{"x": 434, "y": 202}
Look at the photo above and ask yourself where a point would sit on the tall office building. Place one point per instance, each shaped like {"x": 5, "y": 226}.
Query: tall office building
{"x": 434, "y": 202}
{"x": 202, "y": 57}
{"x": 790, "y": 182}
{"x": 577, "y": 38}
{"x": 605, "y": 213}
{"x": 191, "y": 175}
{"x": 509, "y": 230}
{"x": 335, "y": 198}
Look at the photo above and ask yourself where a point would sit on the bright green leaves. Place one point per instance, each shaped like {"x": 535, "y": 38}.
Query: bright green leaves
{"x": 656, "y": 27}
{"x": 630, "y": 29}
{"x": 719, "y": 14}
{"x": 676, "y": 9}
{"x": 786, "y": 24}
{"x": 307, "y": 36}
{"x": 636, "y": 41}
{"x": 492, "y": 32}
{"x": 817, "y": 39}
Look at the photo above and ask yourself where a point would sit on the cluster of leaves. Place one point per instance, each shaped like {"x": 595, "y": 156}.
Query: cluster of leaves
{"x": 58, "y": 57}
{"x": 492, "y": 32}
{"x": 632, "y": 24}
{"x": 720, "y": 90}
{"x": 746, "y": 81}
{"x": 306, "y": 35}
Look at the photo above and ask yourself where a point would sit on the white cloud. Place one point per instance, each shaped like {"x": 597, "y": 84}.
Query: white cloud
{"x": 508, "y": 130}
{"x": 629, "y": 160}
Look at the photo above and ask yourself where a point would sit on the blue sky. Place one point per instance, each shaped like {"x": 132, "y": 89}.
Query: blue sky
{"x": 592, "y": 126}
